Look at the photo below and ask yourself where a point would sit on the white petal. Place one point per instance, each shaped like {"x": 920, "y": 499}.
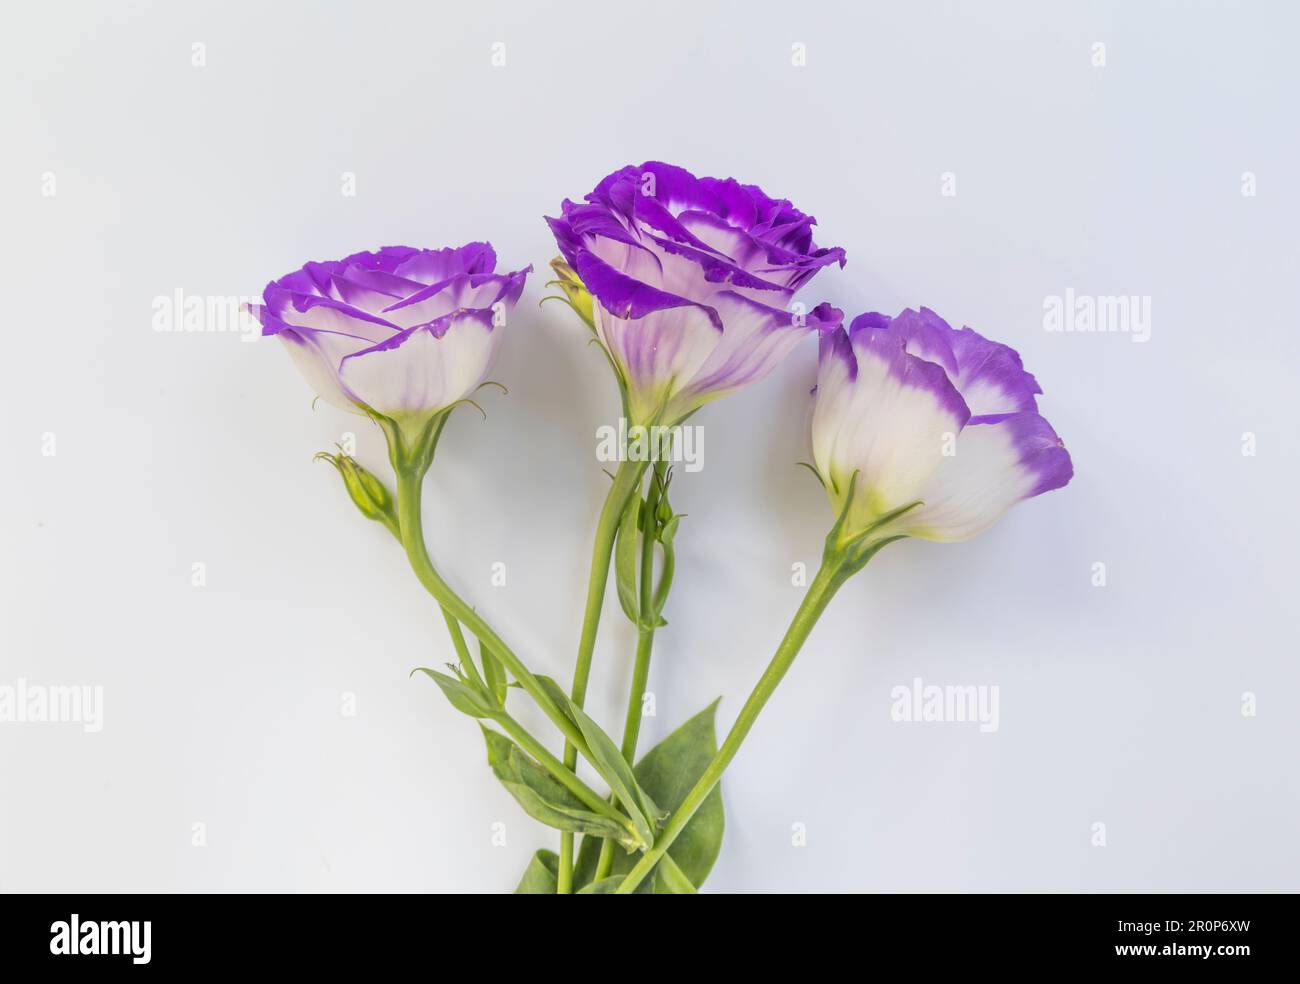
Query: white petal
{"x": 317, "y": 355}
{"x": 328, "y": 317}
{"x": 659, "y": 353}
{"x": 889, "y": 424}
{"x": 422, "y": 373}
{"x": 999, "y": 462}
{"x": 755, "y": 338}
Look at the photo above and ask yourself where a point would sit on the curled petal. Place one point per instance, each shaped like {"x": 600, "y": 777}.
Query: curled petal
{"x": 430, "y": 266}
{"x": 396, "y": 331}
{"x": 671, "y": 261}
{"x": 464, "y": 290}
{"x": 299, "y": 310}
{"x": 627, "y": 298}
{"x": 989, "y": 375}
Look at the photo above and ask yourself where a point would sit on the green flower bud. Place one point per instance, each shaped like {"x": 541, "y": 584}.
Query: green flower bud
{"x": 575, "y": 292}
{"x": 368, "y": 492}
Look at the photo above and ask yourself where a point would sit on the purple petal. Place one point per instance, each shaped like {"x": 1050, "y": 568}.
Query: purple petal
{"x": 625, "y": 297}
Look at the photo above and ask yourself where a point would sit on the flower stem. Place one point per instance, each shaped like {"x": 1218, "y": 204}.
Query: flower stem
{"x": 649, "y": 616}
{"x": 644, "y": 646}
{"x": 409, "y": 483}
{"x": 827, "y": 581}
{"x": 631, "y": 729}
{"x": 556, "y": 768}
{"x": 462, "y": 650}
{"x": 627, "y": 482}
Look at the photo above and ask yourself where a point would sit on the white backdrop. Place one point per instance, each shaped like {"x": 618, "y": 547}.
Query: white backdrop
{"x": 130, "y": 172}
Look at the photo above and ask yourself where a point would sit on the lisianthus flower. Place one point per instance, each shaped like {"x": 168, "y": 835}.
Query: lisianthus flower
{"x": 908, "y": 410}
{"x": 401, "y": 333}
{"x": 693, "y": 279}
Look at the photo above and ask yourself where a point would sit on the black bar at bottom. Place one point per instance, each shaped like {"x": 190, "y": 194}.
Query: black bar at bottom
{"x": 145, "y": 934}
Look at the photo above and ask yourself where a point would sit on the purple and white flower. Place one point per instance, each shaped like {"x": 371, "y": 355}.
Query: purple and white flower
{"x": 400, "y": 333}
{"x": 923, "y": 413}
{"x": 693, "y": 279}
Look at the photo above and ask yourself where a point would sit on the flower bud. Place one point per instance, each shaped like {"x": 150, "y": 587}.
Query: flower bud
{"x": 575, "y": 292}
{"x": 368, "y": 492}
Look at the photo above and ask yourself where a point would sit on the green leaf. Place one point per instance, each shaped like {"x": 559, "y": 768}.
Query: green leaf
{"x": 494, "y": 674}
{"x": 606, "y": 886}
{"x": 669, "y": 530}
{"x": 462, "y": 696}
{"x": 613, "y": 768}
{"x": 625, "y": 558}
{"x": 667, "y": 772}
{"x": 672, "y": 878}
{"x": 544, "y": 799}
{"x": 558, "y": 696}
{"x": 541, "y": 877}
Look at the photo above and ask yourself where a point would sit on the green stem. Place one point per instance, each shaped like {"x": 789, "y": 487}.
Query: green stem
{"x": 555, "y": 767}
{"x": 409, "y": 483}
{"x": 646, "y": 630}
{"x": 453, "y": 627}
{"x": 627, "y": 481}
{"x": 640, "y": 675}
{"x": 830, "y": 576}
{"x": 462, "y": 650}
{"x": 644, "y": 646}
{"x": 631, "y": 729}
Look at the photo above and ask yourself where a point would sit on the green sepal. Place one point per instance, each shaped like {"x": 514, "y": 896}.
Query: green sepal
{"x": 850, "y": 552}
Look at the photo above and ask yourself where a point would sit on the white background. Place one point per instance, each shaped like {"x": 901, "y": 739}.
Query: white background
{"x": 1119, "y": 704}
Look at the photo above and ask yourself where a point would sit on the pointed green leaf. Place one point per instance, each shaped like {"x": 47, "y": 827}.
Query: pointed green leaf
{"x": 558, "y": 697}
{"x": 462, "y": 696}
{"x": 667, "y": 772}
{"x": 494, "y": 674}
{"x": 625, "y": 558}
{"x": 544, "y": 799}
{"x": 669, "y": 530}
{"x": 613, "y": 768}
{"x": 541, "y": 877}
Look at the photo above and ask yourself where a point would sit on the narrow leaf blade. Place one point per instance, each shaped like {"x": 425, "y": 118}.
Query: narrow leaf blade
{"x": 462, "y": 697}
